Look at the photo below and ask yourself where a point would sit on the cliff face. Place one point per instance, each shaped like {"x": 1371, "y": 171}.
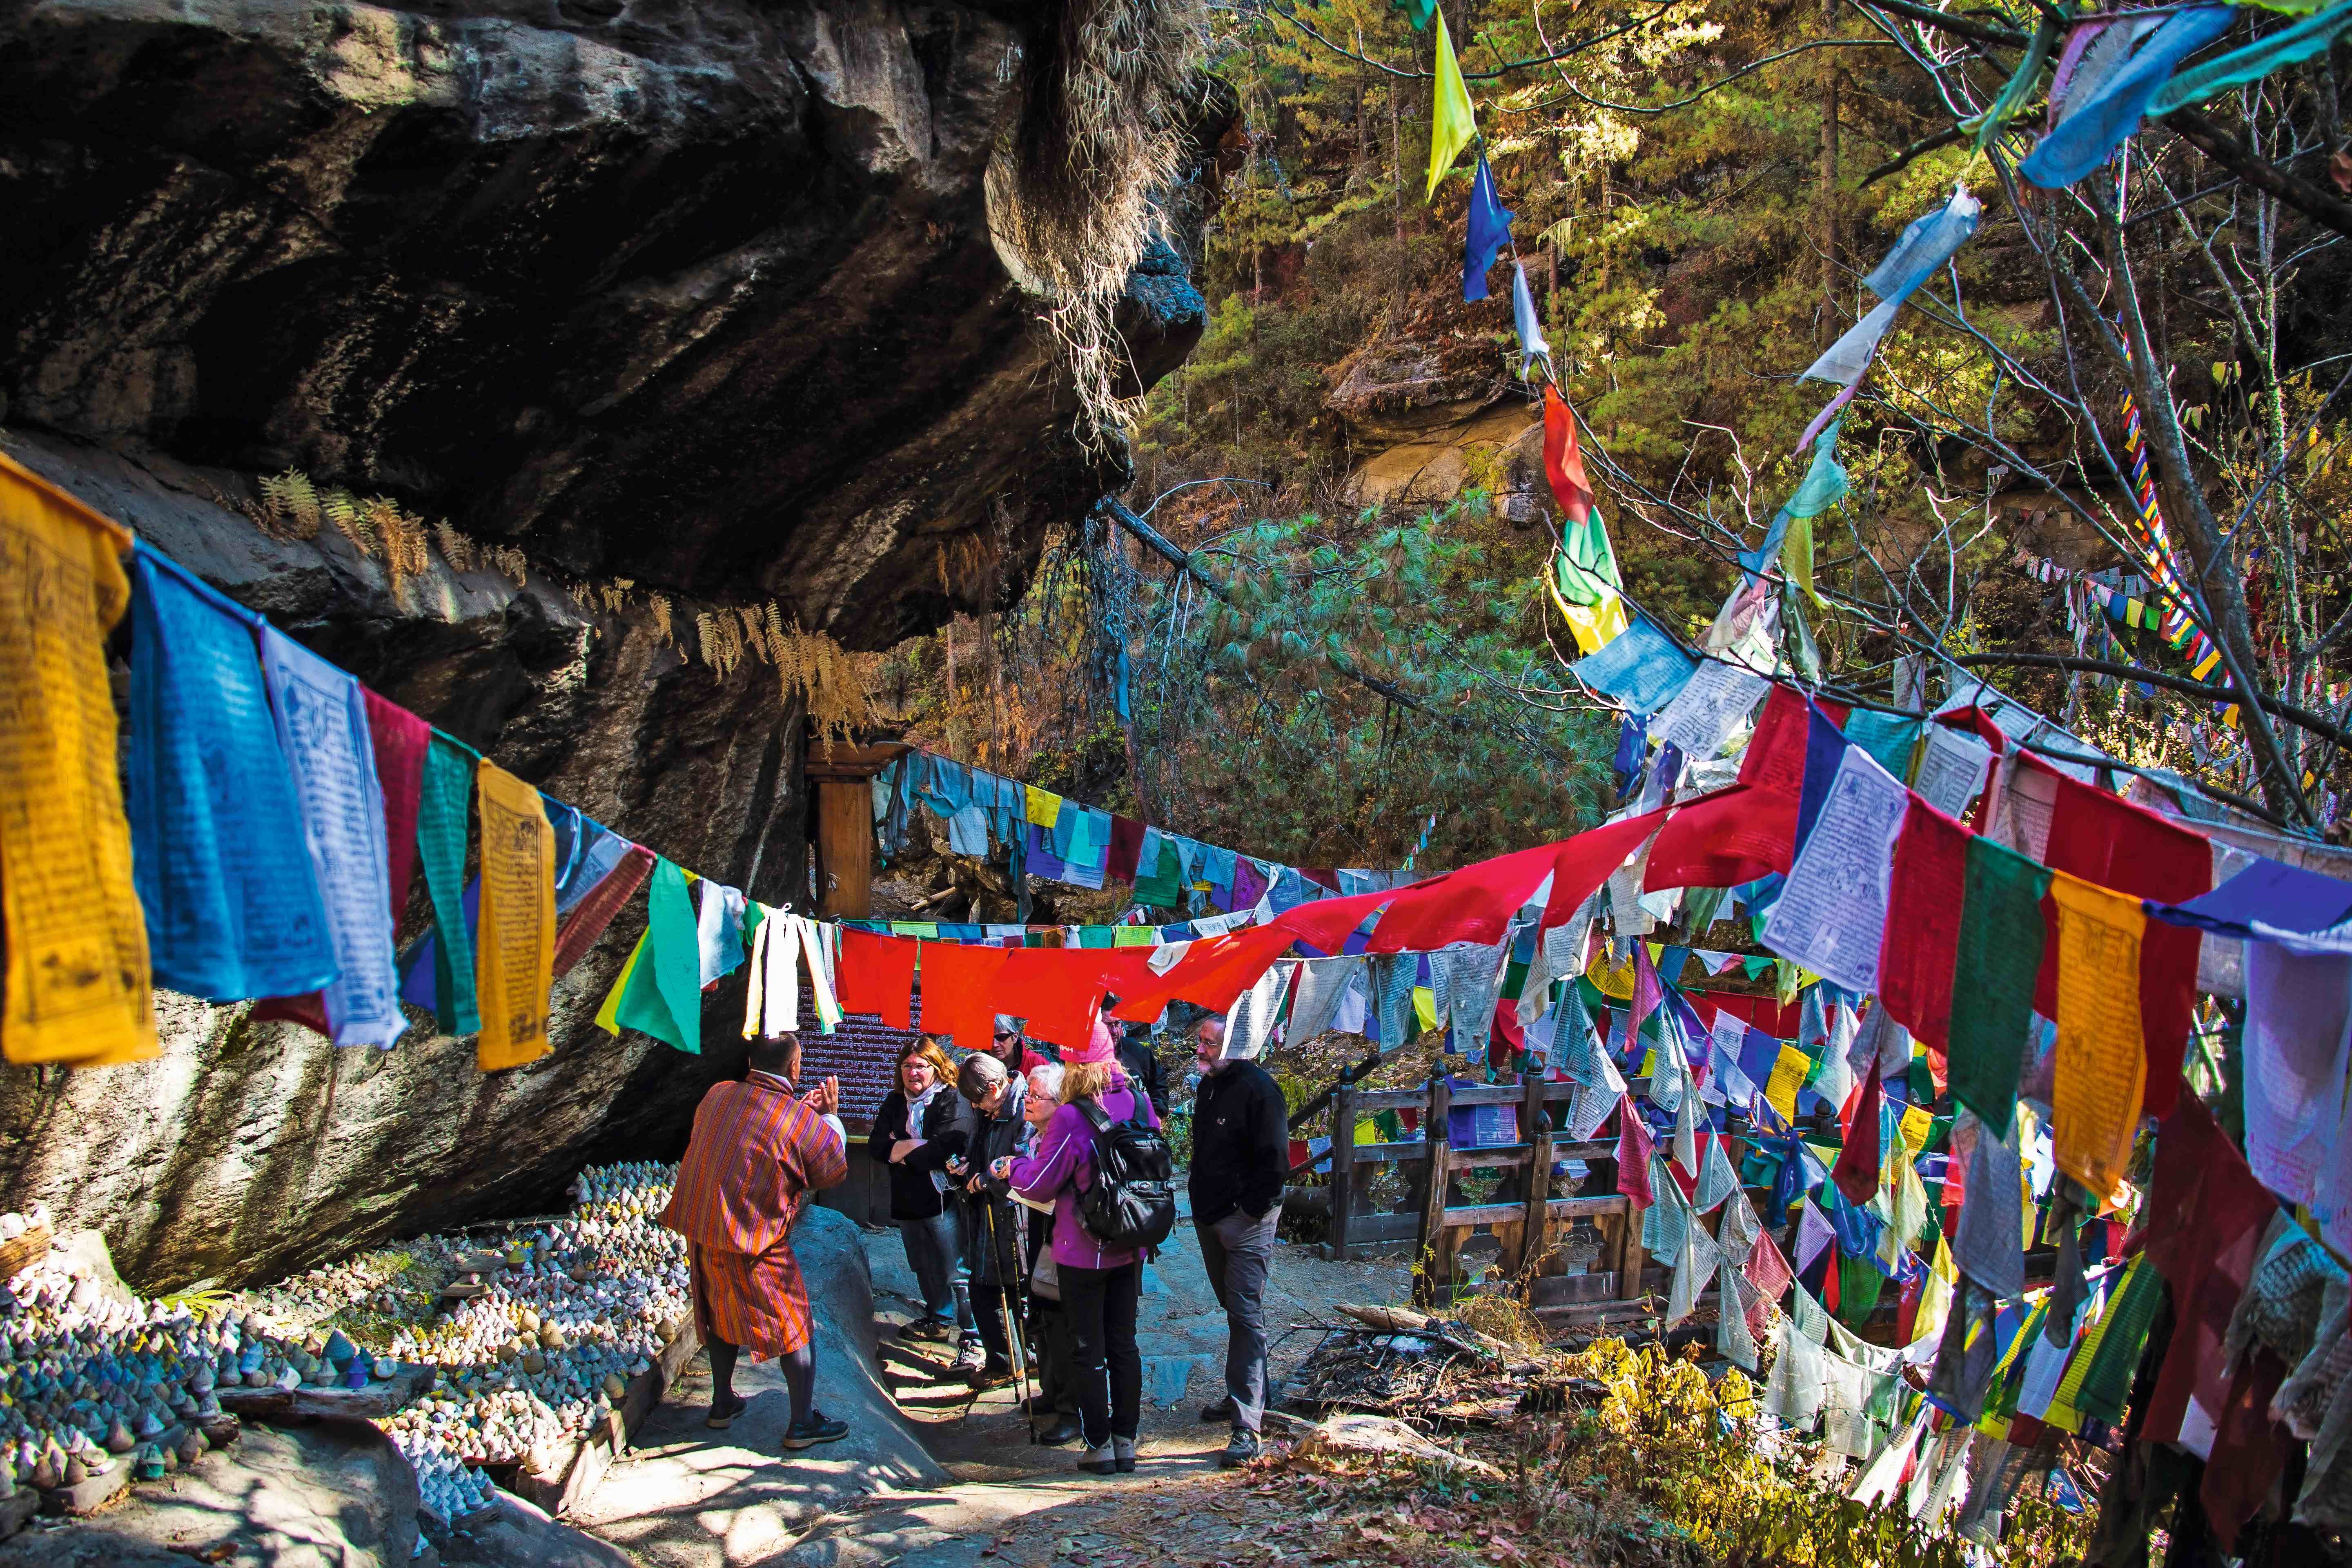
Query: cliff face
{"x": 698, "y": 300}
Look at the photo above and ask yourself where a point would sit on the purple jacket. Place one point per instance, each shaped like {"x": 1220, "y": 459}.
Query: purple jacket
{"x": 1064, "y": 1163}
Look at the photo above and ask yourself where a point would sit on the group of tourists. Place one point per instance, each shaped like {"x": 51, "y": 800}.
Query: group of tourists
{"x": 1029, "y": 1194}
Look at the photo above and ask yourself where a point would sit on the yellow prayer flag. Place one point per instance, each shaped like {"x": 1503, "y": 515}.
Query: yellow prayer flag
{"x": 2101, "y": 1071}
{"x": 1424, "y": 1007}
{"x": 1797, "y": 559}
{"x": 514, "y": 942}
{"x": 1453, "y": 123}
{"x": 1917, "y": 1126}
{"x": 608, "y": 1016}
{"x": 1945, "y": 1266}
{"x": 79, "y": 985}
{"x": 1616, "y": 981}
{"x": 1787, "y": 1076}
{"x": 1368, "y": 1131}
{"x": 1045, "y": 807}
{"x": 1596, "y": 625}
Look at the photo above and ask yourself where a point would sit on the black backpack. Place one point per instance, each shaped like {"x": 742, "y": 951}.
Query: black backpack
{"x": 1133, "y": 1202}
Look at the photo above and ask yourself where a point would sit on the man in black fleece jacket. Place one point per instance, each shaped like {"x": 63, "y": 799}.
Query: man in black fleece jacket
{"x": 1241, "y": 1157}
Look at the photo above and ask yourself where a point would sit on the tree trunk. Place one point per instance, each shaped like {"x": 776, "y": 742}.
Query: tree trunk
{"x": 1826, "y": 332}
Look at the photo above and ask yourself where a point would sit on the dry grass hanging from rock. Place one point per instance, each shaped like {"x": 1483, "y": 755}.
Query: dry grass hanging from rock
{"x": 1101, "y": 138}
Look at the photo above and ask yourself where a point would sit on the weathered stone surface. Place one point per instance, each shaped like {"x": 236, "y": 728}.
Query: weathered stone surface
{"x": 700, "y": 296}
{"x": 1398, "y": 389}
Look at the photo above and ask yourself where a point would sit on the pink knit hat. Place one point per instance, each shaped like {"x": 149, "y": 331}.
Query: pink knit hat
{"x": 1098, "y": 1049}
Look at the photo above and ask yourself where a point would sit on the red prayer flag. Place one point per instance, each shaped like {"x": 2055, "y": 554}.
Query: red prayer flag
{"x": 401, "y": 741}
{"x": 2106, "y": 840}
{"x": 1325, "y": 924}
{"x": 958, "y": 991}
{"x": 1856, "y": 1171}
{"x": 1922, "y": 942}
{"x": 1633, "y": 1147}
{"x": 877, "y": 974}
{"x": 1723, "y": 839}
{"x": 1126, "y": 848}
{"x": 1213, "y": 972}
{"x": 2202, "y": 1223}
{"x": 1473, "y": 904}
{"x": 1775, "y": 758}
{"x": 1563, "y": 463}
{"x": 597, "y": 908}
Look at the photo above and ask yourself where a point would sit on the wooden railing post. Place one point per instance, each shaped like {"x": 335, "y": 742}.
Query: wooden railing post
{"x": 1429, "y": 1245}
{"x": 1535, "y": 1130}
{"x": 1343, "y": 1167}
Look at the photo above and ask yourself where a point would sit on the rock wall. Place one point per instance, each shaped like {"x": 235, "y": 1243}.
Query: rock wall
{"x": 700, "y": 298}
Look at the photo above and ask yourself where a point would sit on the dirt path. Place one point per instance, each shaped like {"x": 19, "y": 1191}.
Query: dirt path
{"x": 971, "y": 1490}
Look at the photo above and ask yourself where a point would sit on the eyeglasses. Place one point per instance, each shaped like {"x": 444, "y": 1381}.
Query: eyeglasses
{"x": 1006, "y": 1035}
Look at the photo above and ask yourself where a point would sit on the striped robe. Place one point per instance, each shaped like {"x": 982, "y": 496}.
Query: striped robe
{"x": 755, "y": 1155}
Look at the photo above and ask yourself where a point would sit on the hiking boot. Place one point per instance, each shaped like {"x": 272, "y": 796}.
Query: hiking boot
{"x": 930, "y": 1330}
{"x": 1223, "y": 1410}
{"x": 1065, "y": 1430}
{"x": 1240, "y": 1449}
{"x": 993, "y": 1373}
{"x": 1122, "y": 1452}
{"x": 970, "y": 1358}
{"x": 817, "y": 1429}
{"x": 722, "y": 1415}
{"x": 1102, "y": 1461}
{"x": 1039, "y": 1404}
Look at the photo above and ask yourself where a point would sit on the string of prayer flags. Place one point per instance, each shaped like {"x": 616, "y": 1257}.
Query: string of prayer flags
{"x": 514, "y": 947}
{"x": 1999, "y": 951}
{"x": 1489, "y": 231}
{"x": 79, "y": 988}
{"x": 1925, "y": 245}
{"x": 322, "y": 731}
{"x": 658, "y": 992}
{"x": 2101, "y": 1069}
{"x": 445, "y": 805}
{"x": 218, "y": 855}
{"x": 2273, "y": 52}
{"x": 1453, "y": 123}
{"x": 2096, "y": 117}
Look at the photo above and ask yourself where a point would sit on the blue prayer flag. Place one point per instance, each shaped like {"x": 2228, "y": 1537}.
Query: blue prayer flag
{"x": 1641, "y": 667}
{"x": 1490, "y": 231}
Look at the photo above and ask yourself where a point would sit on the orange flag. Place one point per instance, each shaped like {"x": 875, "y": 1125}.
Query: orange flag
{"x": 514, "y": 942}
{"x": 2101, "y": 1071}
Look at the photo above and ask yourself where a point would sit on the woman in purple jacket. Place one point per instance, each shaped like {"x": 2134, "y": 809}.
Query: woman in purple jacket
{"x": 1100, "y": 1285}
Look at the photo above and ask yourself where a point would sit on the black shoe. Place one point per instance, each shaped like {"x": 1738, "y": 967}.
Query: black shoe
{"x": 1122, "y": 1450}
{"x": 816, "y": 1429}
{"x": 1241, "y": 1449}
{"x": 996, "y": 1373}
{"x": 1038, "y": 1404}
{"x": 1065, "y": 1430}
{"x": 723, "y": 1416}
{"x": 929, "y": 1330}
{"x": 1223, "y": 1410}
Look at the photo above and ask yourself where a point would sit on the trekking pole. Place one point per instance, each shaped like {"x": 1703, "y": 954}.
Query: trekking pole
{"x": 1013, "y": 1341}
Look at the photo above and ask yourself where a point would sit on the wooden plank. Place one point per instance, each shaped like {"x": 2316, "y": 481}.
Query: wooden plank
{"x": 1463, "y": 1216}
{"x": 1371, "y": 1100}
{"x": 1432, "y": 1235}
{"x": 1534, "y": 1242}
{"x": 1369, "y": 1229}
{"x": 1494, "y": 1157}
{"x": 578, "y": 1472}
{"x": 1343, "y": 1167}
{"x": 376, "y": 1400}
{"x": 1566, "y": 1289}
{"x": 1390, "y": 1153}
{"x": 861, "y": 763}
{"x": 844, "y": 849}
{"x": 1487, "y": 1094}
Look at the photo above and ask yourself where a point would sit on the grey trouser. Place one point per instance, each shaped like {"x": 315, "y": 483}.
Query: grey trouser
{"x": 1237, "y": 1252}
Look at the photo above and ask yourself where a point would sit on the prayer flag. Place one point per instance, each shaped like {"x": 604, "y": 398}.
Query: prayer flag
{"x": 1925, "y": 247}
{"x": 1999, "y": 951}
{"x": 78, "y": 988}
{"x": 443, "y": 809}
{"x": 1634, "y": 1147}
{"x": 598, "y": 905}
{"x": 1856, "y": 1171}
{"x": 958, "y": 982}
{"x": 2101, "y": 1070}
{"x": 2095, "y": 125}
{"x": 877, "y": 975}
{"x": 514, "y": 957}
{"x": 1489, "y": 229}
{"x": 1789, "y": 1075}
{"x": 322, "y": 731}
{"x": 1453, "y": 124}
{"x": 1917, "y": 960}
{"x": 1832, "y": 916}
{"x": 1641, "y": 667}
{"x": 218, "y": 855}
{"x": 657, "y": 992}
{"x": 1526, "y": 323}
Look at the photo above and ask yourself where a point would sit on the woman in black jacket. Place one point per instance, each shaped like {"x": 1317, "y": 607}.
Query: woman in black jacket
{"x": 921, "y": 1124}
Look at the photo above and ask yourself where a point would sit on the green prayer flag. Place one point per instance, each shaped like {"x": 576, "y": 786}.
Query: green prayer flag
{"x": 664, "y": 993}
{"x": 1094, "y": 936}
{"x": 443, "y": 809}
{"x": 2108, "y": 1381}
{"x": 1135, "y": 936}
{"x": 1887, "y": 737}
{"x": 2013, "y": 95}
{"x": 1453, "y": 124}
{"x": 1160, "y": 888}
{"x": 1421, "y": 11}
{"x": 2273, "y": 52}
{"x": 1998, "y": 958}
{"x": 1859, "y": 1282}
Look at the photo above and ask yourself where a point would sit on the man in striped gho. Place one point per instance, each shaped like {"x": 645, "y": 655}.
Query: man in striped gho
{"x": 757, "y": 1152}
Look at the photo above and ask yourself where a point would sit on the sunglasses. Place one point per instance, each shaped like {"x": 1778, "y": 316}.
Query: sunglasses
{"x": 1006, "y": 1035}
